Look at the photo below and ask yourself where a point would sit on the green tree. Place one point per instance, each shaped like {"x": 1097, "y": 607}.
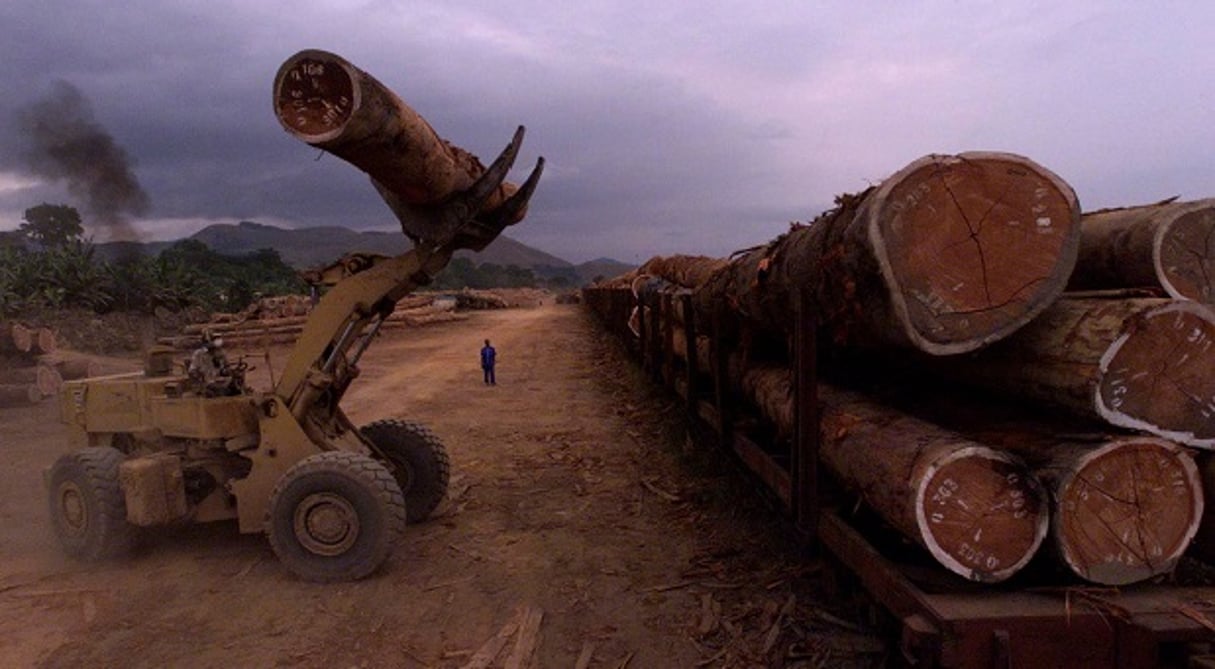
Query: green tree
{"x": 12, "y": 239}
{"x": 52, "y": 225}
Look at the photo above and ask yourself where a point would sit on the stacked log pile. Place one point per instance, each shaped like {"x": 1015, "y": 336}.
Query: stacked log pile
{"x": 25, "y": 380}
{"x": 953, "y": 272}
{"x": 32, "y": 366}
{"x": 280, "y": 320}
{"x": 251, "y": 328}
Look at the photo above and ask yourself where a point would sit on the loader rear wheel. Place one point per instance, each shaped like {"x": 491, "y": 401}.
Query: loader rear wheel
{"x": 335, "y": 516}
{"x": 88, "y": 511}
{"x": 419, "y": 463}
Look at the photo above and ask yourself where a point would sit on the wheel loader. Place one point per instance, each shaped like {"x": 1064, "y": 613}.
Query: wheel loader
{"x": 187, "y": 441}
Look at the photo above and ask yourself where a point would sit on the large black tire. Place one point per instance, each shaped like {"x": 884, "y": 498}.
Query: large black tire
{"x": 335, "y": 516}
{"x": 88, "y": 511}
{"x": 418, "y": 461}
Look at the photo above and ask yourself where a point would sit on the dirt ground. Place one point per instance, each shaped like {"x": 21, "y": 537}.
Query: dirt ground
{"x": 577, "y": 499}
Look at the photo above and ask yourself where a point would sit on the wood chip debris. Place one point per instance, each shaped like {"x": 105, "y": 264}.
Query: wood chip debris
{"x": 526, "y": 622}
{"x": 586, "y": 656}
{"x": 668, "y": 496}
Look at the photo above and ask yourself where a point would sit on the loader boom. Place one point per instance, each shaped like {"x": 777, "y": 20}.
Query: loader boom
{"x": 201, "y": 446}
{"x": 302, "y": 413}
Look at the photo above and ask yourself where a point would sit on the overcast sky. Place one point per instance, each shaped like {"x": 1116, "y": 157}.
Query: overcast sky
{"x": 668, "y": 127}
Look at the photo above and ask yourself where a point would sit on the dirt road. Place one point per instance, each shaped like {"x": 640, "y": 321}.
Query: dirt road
{"x": 570, "y": 500}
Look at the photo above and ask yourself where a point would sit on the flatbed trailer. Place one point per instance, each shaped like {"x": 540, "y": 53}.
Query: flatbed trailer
{"x": 937, "y": 619}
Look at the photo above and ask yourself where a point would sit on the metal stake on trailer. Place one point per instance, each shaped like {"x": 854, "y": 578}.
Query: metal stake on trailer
{"x": 803, "y": 463}
{"x": 689, "y": 368}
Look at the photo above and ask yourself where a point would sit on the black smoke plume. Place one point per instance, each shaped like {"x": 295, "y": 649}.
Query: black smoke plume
{"x": 61, "y": 141}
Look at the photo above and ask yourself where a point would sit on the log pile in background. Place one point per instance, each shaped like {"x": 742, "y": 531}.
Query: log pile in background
{"x": 32, "y": 367}
{"x": 27, "y": 372}
{"x": 956, "y": 268}
{"x": 280, "y": 320}
{"x": 18, "y": 339}
{"x": 248, "y": 330}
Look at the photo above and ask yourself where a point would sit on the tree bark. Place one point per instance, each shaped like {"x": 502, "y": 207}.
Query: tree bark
{"x": 71, "y": 368}
{"x": 1144, "y": 364}
{"x": 324, "y": 100}
{"x": 682, "y": 270}
{"x": 978, "y": 511}
{"x": 947, "y": 255}
{"x": 1168, "y": 246}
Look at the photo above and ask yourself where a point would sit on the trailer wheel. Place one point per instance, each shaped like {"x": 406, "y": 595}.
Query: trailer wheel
{"x": 418, "y": 460}
{"x": 88, "y": 511}
{"x": 335, "y": 516}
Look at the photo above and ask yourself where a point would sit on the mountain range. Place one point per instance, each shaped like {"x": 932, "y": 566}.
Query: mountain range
{"x": 310, "y": 247}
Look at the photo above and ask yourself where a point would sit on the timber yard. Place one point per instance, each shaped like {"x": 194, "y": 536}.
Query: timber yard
{"x": 952, "y": 421}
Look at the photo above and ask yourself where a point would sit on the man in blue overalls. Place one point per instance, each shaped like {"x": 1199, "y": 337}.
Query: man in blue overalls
{"x": 487, "y": 363}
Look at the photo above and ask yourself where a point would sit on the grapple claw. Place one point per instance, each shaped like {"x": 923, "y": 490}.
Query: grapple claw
{"x": 495, "y": 174}
{"x": 458, "y": 221}
{"x": 488, "y": 225}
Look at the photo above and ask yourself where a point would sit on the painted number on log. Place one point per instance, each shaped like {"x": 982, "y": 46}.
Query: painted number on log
{"x": 978, "y": 557}
{"x": 947, "y": 494}
{"x": 314, "y": 97}
{"x": 944, "y": 491}
{"x": 912, "y": 199}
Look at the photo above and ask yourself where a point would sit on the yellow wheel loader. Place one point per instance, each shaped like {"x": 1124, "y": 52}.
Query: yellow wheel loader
{"x": 169, "y": 446}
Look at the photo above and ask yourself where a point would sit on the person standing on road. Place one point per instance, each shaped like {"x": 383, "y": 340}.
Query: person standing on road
{"x": 488, "y": 354}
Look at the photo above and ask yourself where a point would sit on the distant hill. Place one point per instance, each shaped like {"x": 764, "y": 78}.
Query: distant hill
{"x": 602, "y": 268}
{"x": 310, "y": 247}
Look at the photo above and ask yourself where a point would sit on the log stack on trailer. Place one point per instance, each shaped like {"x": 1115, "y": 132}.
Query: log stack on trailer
{"x": 1166, "y": 247}
{"x": 947, "y": 283}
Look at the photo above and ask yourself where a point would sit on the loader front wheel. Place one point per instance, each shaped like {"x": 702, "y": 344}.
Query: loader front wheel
{"x": 419, "y": 463}
{"x": 88, "y": 511}
{"x": 335, "y": 516}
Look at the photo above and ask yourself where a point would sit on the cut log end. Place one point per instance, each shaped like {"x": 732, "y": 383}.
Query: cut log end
{"x": 973, "y": 246}
{"x": 19, "y": 394}
{"x": 16, "y": 338}
{"x": 1159, "y": 376}
{"x": 314, "y": 95}
{"x": 45, "y": 378}
{"x": 1186, "y": 248}
{"x": 981, "y": 514}
{"x": 1127, "y": 511}
{"x": 44, "y": 341}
